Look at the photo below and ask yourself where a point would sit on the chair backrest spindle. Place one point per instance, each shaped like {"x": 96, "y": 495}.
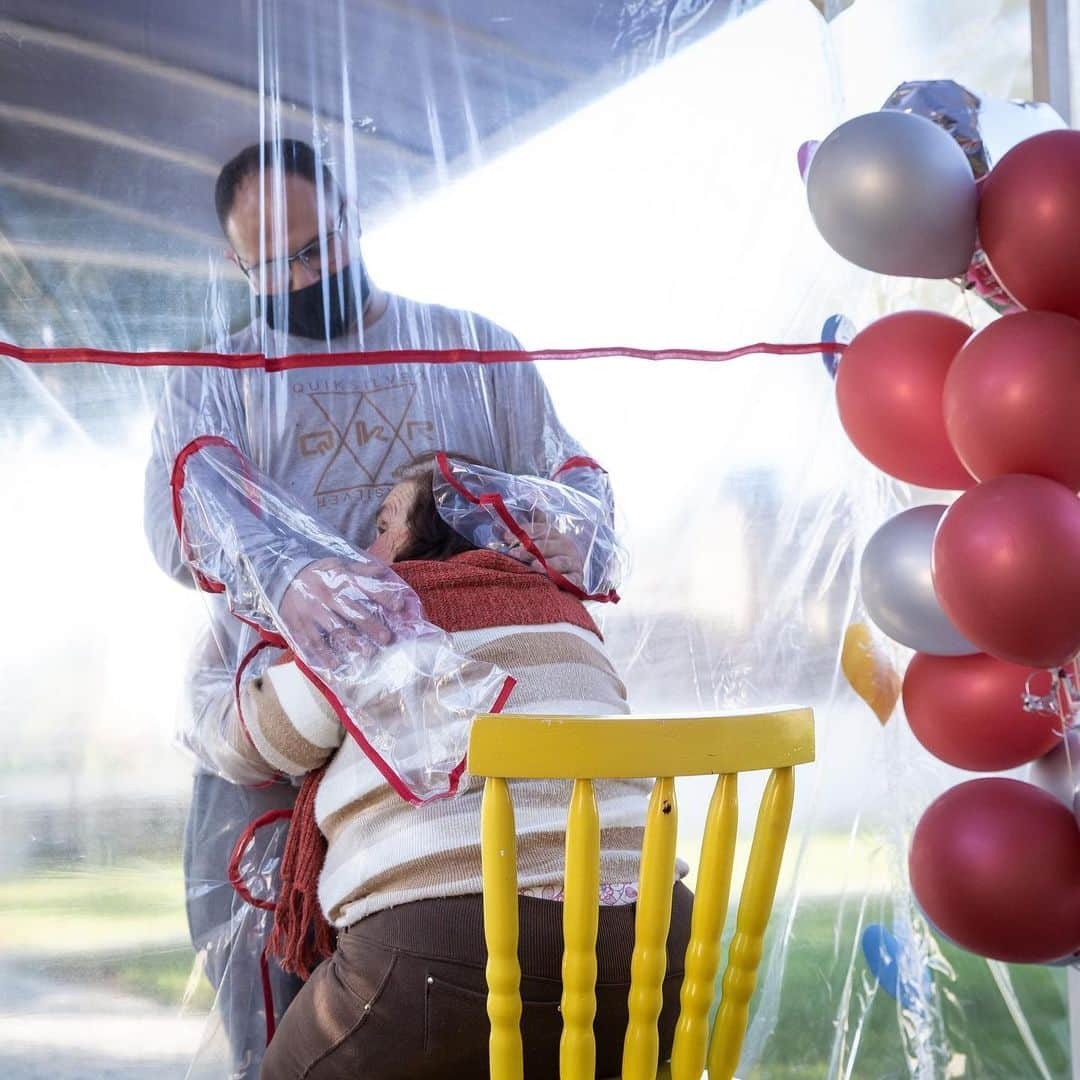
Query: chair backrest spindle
{"x": 641, "y": 1048}
{"x": 504, "y": 747}
{"x": 498, "y": 854}
{"x": 755, "y": 906}
{"x": 581, "y": 915}
{"x": 706, "y": 930}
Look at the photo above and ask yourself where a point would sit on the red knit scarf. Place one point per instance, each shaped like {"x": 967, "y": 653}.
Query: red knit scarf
{"x": 472, "y": 591}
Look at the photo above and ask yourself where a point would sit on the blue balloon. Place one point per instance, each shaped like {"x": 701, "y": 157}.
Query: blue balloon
{"x": 837, "y": 328}
{"x": 882, "y": 952}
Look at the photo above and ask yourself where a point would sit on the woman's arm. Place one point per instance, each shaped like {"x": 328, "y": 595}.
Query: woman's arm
{"x": 257, "y": 717}
{"x": 287, "y": 720}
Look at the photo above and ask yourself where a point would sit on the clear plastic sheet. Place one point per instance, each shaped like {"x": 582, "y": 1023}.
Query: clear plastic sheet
{"x": 564, "y": 526}
{"x": 356, "y": 629}
{"x": 606, "y": 173}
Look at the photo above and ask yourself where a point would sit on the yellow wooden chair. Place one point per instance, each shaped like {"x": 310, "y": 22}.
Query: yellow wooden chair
{"x": 583, "y": 749}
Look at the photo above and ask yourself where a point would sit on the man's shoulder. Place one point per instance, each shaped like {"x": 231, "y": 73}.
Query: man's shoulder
{"x": 449, "y": 327}
{"x": 244, "y": 340}
{"x": 258, "y": 339}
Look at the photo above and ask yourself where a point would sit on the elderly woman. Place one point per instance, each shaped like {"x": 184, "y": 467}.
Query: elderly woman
{"x": 403, "y": 993}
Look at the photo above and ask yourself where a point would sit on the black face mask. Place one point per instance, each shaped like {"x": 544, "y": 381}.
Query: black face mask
{"x": 302, "y": 311}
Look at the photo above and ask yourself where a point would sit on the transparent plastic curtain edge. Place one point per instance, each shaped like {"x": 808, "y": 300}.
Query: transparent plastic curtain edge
{"x": 480, "y": 163}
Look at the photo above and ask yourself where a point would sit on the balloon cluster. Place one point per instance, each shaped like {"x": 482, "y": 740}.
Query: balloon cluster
{"x": 985, "y": 590}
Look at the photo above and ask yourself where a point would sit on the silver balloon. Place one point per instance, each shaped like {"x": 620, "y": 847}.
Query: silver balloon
{"x": 985, "y": 127}
{"x": 894, "y": 193}
{"x": 897, "y": 587}
{"x": 952, "y": 107}
{"x": 1051, "y": 772}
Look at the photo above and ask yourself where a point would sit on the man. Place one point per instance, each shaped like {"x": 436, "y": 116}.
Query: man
{"x": 333, "y": 438}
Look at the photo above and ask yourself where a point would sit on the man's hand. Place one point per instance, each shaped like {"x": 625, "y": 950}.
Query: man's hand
{"x": 335, "y": 610}
{"x": 559, "y": 552}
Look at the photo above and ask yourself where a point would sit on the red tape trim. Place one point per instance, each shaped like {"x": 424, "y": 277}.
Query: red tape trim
{"x": 578, "y": 463}
{"x": 494, "y": 499}
{"x": 249, "y": 361}
{"x": 179, "y": 478}
{"x": 176, "y": 482}
{"x": 387, "y": 773}
{"x": 243, "y": 841}
{"x": 504, "y": 694}
{"x": 268, "y": 993}
{"x": 236, "y": 880}
{"x": 271, "y": 638}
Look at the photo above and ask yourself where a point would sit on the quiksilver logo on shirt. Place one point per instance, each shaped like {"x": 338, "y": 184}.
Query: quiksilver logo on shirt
{"x": 364, "y": 435}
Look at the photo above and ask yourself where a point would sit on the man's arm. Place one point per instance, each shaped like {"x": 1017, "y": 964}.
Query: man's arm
{"x": 188, "y": 408}
{"x": 201, "y": 413}
{"x": 213, "y": 520}
{"x": 359, "y": 634}
{"x": 534, "y": 442}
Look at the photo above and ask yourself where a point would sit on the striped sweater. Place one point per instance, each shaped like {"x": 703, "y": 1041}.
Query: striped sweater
{"x": 380, "y": 850}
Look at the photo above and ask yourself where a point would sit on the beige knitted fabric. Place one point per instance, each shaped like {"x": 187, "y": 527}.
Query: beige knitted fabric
{"x": 382, "y": 851}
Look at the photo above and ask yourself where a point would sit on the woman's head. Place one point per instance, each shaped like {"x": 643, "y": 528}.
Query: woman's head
{"x": 408, "y": 525}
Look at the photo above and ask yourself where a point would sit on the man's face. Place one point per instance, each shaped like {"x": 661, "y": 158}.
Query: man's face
{"x": 295, "y": 251}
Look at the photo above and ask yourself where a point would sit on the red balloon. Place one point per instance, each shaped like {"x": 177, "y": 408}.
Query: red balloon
{"x": 1012, "y": 398}
{"x": 968, "y": 711}
{"x": 888, "y": 389}
{"x": 1006, "y": 568}
{"x": 995, "y": 864}
{"x": 1029, "y": 221}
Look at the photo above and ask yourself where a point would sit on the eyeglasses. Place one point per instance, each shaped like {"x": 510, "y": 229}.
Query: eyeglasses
{"x": 310, "y": 257}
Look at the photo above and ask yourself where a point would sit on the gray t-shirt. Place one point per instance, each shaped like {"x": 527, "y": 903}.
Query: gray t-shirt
{"x": 334, "y": 437}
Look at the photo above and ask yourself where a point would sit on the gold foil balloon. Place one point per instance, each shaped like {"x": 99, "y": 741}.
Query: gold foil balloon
{"x": 869, "y": 670}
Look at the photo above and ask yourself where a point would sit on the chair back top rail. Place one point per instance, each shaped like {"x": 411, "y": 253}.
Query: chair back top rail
{"x": 518, "y": 747}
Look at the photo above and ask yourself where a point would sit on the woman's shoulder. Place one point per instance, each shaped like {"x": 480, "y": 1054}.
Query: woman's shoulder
{"x": 482, "y": 589}
{"x": 480, "y": 564}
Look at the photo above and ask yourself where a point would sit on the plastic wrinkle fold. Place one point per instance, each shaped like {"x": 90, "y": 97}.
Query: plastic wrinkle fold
{"x": 266, "y": 265}
{"x": 524, "y": 516}
{"x": 393, "y": 679}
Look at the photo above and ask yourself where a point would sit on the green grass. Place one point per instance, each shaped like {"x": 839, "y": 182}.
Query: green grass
{"x": 161, "y": 974}
{"x": 124, "y": 928}
{"x": 55, "y": 913}
{"x": 981, "y": 1036}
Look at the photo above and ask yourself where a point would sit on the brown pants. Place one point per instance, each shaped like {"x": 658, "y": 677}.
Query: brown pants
{"x": 404, "y": 995}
